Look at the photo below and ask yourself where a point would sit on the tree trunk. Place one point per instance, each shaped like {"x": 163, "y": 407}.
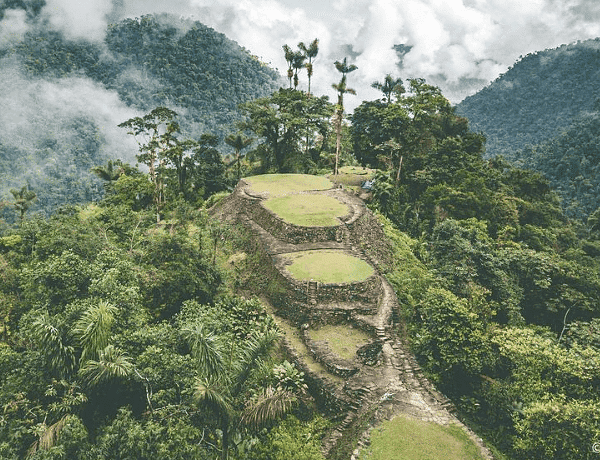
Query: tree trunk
{"x": 399, "y": 169}
{"x": 338, "y": 142}
{"x": 225, "y": 430}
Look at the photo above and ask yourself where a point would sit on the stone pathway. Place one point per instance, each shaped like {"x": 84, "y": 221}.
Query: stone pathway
{"x": 396, "y": 385}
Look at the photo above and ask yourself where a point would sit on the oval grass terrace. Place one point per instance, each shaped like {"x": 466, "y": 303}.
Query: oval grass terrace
{"x": 308, "y": 210}
{"x": 283, "y": 184}
{"x": 327, "y": 266}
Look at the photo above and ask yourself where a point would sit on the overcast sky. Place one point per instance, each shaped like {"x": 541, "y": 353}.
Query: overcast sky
{"x": 459, "y": 45}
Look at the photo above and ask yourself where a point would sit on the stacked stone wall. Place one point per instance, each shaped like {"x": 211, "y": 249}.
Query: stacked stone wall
{"x": 290, "y": 233}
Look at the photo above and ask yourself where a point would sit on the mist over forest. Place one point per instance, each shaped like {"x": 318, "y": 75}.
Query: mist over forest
{"x": 63, "y": 96}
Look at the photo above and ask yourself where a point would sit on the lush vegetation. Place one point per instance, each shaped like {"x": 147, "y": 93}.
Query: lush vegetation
{"x": 571, "y": 162}
{"x": 121, "y": 338}
{"x": 495, "y": 283}
{"x": 69, "y": 95}
{"x": 121, "y": 334}
{"x": 543, "y": 115}
{"x": 537, "y": 98}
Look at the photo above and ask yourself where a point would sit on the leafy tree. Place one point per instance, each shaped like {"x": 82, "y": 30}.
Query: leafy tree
{"x": 281, "y": 120}
{"x": 155, "y": 134}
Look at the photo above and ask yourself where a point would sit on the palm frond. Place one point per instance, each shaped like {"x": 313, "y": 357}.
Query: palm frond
{"x": 257, "y": 346}
{"x": 49, "y": 436}
{"x": 206, "y": 349}
{"x": 271, "y": 404}
{"x": 210, "y": 394}
{"x": 111, "y": 364}
{"x": 93, "y": 330}
{"x": 53, "y": 342}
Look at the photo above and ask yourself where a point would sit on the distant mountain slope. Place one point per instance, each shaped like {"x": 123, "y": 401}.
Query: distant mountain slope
{"x": 63, "y": 99}
{"x": 539, "y": 97}
{"x": 571, "y": 161}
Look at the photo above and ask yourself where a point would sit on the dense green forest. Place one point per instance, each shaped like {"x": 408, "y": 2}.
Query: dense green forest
{"x": 123, "y": 336}
{"x": 571, "y": 162}
{"x": 123, "y": 329}
{"x": 69, "y": 96}
{"x": 537, "y": 98}
{"x": 542, "y": 113}
{"x": 499, "y": 291}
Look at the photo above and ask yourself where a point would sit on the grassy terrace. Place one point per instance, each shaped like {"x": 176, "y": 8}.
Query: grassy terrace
{"x": 404, "y": 438}
{"x": 282, "y": 184}
{"x": 328, "y": 266}
{"x": 344, "y": 341}
{"x": 307, "y": 210}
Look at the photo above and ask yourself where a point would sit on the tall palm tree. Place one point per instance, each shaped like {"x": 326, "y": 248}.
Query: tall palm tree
{"x": 342, "y": 89}
{"x": 389, "y": 87}
{"x": 310, "y": 53}
{"x": 239, "y": 142}
{"x": 289, "y": 57}
{"x": 297, "y": 64}
{"x": 23, "y": 199}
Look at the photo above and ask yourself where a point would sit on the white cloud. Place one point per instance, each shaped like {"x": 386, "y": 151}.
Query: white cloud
{"x": 79, "y": 18}
{"x": 458, "y": 44}
{"x": 34, "y": 110}
{"x": 12, "y": 27}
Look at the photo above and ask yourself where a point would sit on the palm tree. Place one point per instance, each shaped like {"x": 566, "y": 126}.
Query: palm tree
{"x": 289, "y": 57}
{"x": 389, "y": 86}
{"x": 23, "y": 199}
{"x": 223, "y": 373}
{"x": 111, "y": 172}
{"x": 297, "y": 64}
{"x": 98, "y": 362}
{"x": 239, "y": 143}
{"x": 342, "y": 89}
{"x": 310, "y": 53}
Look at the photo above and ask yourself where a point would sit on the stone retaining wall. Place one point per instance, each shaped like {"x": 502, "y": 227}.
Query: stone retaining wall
{"x": 322, "y": 354}
{"x": 290, "y": 233}
{"x": 325, "y": 393}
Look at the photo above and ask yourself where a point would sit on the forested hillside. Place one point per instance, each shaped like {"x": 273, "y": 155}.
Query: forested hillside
{"x": 571, "y": 161}
{"x": 62, "y": 99}
{"x": 538, "y": 98}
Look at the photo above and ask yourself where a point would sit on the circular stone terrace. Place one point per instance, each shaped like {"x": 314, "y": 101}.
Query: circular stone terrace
{"x": 302, "y": 200}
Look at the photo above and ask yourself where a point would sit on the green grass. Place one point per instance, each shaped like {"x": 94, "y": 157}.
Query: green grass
{"x": 344, "y": 341}
{"x": 352, "y": 176}
{"x": 281, "y": 184}
{"x": 328, "y": 266}
{"x": 308, "y": 210}
{"x": 403, "y": 438}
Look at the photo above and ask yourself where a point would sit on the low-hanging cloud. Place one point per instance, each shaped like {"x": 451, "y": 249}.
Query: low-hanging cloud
{"x": 37, "y": 113}
{"x": 459, "y": 45}
{"x": 78, "y": 19}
